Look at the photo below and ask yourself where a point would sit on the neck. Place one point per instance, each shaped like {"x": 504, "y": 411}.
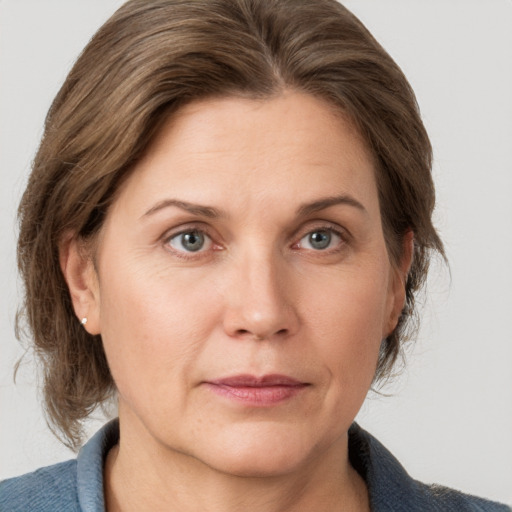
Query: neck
{"x": 141, "y": 474}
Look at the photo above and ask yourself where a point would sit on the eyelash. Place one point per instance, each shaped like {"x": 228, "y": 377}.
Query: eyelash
{"x": 191, "y": 255}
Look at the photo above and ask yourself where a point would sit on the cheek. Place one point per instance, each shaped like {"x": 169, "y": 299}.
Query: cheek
{"x": 153, "y": 326}
{"x": 348, "y": 317}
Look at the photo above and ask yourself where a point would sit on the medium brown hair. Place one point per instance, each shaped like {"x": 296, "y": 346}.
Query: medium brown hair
{"x": 148, "y": 60}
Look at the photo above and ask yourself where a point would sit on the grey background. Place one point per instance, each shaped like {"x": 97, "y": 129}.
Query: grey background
{"x": 450, "y": 417}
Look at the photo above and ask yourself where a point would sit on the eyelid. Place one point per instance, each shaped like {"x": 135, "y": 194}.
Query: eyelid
{"x": 185, "y": 228}
{"x": 323, "y": 225}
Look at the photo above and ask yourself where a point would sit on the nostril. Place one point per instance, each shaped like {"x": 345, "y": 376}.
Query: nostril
{"x": 246, "y": 333}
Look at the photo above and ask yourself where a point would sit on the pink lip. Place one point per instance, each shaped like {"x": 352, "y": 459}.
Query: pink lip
{"x": 257, "y": 391}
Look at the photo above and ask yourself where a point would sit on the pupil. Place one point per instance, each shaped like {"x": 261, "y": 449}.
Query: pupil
{"x": 193, "y": 241}
{"x": 320, "y": 239}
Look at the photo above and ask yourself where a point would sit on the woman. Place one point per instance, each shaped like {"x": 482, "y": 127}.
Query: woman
{"x": 225, "y": 226}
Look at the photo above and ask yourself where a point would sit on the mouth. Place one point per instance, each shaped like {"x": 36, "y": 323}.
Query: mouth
{"x": 257, "y": 391}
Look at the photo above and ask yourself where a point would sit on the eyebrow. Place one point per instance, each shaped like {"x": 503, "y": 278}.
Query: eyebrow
{"x": 212, "y": 213}
{"x": 327, "y": 202}
{"x": 195, "y": 209}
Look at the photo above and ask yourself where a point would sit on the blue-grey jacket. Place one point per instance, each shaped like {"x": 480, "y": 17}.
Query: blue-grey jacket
{"x": 77, "y": 485}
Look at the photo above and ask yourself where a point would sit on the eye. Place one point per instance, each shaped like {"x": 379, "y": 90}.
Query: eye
{"x": 190, "y": 241}
{"x": 320, "y": 240}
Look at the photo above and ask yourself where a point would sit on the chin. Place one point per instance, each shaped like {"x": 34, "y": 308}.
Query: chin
{"x": 256, "y": 464}
{"x": 257, "y": 452}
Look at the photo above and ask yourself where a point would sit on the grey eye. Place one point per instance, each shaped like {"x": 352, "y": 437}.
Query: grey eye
{"x": 320, "y": 239}
{"x": 189, "y": 241}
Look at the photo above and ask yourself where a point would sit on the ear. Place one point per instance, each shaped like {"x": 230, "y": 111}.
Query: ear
{"x": 398, "y": 281}
{"x": 78, "y": 269}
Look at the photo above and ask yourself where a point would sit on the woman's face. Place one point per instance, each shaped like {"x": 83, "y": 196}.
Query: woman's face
{"x": 244, "y": 286}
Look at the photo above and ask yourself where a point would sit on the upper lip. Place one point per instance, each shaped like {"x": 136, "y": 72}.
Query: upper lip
{"x": 253, "y": 381}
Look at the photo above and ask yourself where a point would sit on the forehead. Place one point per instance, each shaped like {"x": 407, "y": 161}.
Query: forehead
{"x": 292, "y": 147}
{"x": 243, "y": 125}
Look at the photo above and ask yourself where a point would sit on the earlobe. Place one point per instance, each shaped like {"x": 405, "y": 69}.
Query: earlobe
{"x": 399, "y": 282}
{"x": 80, "y": 275}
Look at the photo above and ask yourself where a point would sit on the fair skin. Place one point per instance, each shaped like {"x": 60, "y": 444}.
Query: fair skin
{"x": 247, "y": 242}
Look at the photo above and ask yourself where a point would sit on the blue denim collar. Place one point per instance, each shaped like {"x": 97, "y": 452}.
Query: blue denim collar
{"x": 90, "y": 462}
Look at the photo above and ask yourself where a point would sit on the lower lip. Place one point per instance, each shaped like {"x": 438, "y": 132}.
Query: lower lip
{"x": 257, "y": 396}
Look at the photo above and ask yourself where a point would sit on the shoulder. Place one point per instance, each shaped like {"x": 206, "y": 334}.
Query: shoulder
{"x": 72, "y": 486}
{"x": 446, "y": 499}
{"x": 393, "y": 490}
{"x": 43, "y": 490}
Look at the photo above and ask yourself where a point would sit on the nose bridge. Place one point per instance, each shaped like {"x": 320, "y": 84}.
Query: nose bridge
{"x": 260, "y": 304}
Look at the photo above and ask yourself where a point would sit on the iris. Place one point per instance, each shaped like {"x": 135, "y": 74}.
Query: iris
{"x": 320, "y": 239}
{"x": 191, "y": 241}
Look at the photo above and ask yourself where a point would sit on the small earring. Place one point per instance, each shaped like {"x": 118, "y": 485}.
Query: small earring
{"x": 83, "y": 321}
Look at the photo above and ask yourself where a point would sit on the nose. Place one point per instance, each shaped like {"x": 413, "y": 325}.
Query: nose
{"x": 260, "y": 301}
